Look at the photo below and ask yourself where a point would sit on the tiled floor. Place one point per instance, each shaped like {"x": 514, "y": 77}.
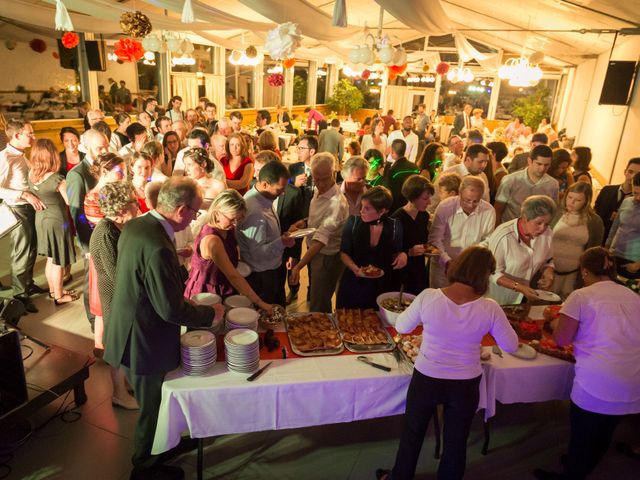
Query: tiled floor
{"x": 98, "y": 445}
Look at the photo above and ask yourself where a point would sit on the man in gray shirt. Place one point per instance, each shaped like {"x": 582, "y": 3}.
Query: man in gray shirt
{"x": 516, "y": 187}
{"x": 332, "y": 141}
{"x": 261, "y": 244}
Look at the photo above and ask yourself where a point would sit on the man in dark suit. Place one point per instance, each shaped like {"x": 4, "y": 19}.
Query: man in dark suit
{"x": 148, "y": 308}
{"x": 462, "y": 122}
{"x": 396, "y": 173}
{"x": 611, "y": 196}
{"x": 79, "y": 181}
{"x": 301, "y": 170}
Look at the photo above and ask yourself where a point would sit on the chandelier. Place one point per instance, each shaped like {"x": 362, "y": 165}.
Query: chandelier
{"x": 520, "y": 72}
{"x": 460, "y": 74}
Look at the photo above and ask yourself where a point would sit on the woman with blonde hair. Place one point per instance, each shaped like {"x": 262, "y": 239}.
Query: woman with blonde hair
{"x": 215, "y": 257}
{"x": 161, "y": 168}
{"x": 53, "y": 225}
{"x": 576, "y": 227}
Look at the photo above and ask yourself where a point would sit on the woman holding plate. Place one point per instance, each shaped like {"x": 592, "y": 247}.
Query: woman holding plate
{"x": 371, "y": 249}
{"x": 215, "y": 258}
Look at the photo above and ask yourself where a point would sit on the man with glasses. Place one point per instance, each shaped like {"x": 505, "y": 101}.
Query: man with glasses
{"x": 147, "y": 310}
{"x": 301, "y": 170}
{"x": 454, "y": 156}
{"x": 14, "y": 190}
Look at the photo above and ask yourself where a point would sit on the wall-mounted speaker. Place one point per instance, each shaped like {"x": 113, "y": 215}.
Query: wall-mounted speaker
{"x": 618, "y": 83}
{"x": 96, "y": 56}
{"x": 68, "y": 56}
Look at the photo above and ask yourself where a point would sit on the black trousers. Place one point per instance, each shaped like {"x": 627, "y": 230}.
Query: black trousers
{"x": 591, "y": 435}
{"x": 460, "y": 401}
{"x": 269, "y": 285}
{"x": 24, "y": 248}
{"x": 148, "y": 392}
{"x": 85, "y": 287}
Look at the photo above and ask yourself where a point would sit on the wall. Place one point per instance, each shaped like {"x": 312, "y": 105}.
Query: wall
{"x": 603, "y": 127}
{"x": 34, "y": 71}
{"x": 126, "y": 71}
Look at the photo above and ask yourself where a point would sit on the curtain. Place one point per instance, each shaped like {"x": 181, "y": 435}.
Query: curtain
{"x": 467, "y": 52}
{"x": 215, "y": 91}
{"x": 425, "y": 16}
{"x": 185, "y": 85}
{"x": 398, "y": 99}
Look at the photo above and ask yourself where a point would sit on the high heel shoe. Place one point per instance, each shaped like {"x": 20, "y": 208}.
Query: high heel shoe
{"x": 59, "y": 301}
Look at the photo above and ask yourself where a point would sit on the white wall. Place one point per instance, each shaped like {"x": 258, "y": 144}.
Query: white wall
{"x": 34, "y": 71}
{"x": 603, "y": 127}
{"x": 126, "y": 71}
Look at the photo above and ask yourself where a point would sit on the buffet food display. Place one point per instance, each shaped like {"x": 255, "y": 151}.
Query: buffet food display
{"x": 362, "y": 331}
{"x": 313, "y": 334}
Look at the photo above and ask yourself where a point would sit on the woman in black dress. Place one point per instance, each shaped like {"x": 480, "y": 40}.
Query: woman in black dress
{"x": 415, "y": 227}
{"x": 371, "y": 239}
{"x": 70, "y": 156}
{"x": 53, "y": 224}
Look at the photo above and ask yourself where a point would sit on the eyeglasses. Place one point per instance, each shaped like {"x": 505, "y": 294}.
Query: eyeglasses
{"x": 197, "y": 213}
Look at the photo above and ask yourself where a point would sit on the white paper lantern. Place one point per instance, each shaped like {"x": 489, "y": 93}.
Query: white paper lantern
{"x": 354, "y": 55}
{"x": 400, "y": 56}
{"x": 187, "y": 47}
{"x": 386, "y": 54}
{"x": 173, "y": 44}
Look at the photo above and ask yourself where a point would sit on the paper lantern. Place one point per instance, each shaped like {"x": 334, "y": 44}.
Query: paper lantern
{"x": 365, "y": 74}
{"x": 136, "y": 24}
{"x": 275, "y": 79}
{"x": 38, "y": 45}
{"x": 283, "y": 41}
{"x": 288, "y": 62}
{"x": 442, "y": 68}
{"x": 70, "y": 40}
{"x": 187, "y": 47}
{"x": 128, "y": 50}
{"x": 173, "y": 44}
{"x": 398, "y": 69}
{"x": 10, "y": 44}
{"x": 151, "y": 43}
{"x": 425, "y": 68}
{"x": 251, "y": 52}
{"x": 392, "y": 76}
{"x": 354, "y": 55}
{"x": 386, "y": 54}
{"x": 399, "y": 56}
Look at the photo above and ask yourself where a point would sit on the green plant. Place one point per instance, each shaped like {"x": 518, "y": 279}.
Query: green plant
{"x": 299, "y": 91}
{"x": 346, "y": 98}
{"x": 532, "y": 108}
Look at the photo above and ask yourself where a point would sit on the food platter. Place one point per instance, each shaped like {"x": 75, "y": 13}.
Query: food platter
{"x": 362, "y": 331}
{"x": 431, "y": 250}
{"x": 313, "y": 334}
{"x": 371, "y": 271}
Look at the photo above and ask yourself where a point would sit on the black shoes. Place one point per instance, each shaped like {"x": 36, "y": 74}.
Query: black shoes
{"x": 160, "y": 472}
{"x": 28, "y": 304}
{"x": 36, "y": 290}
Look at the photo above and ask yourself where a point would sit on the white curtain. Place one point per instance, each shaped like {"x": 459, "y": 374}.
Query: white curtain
{"x": 467, "y": 52}
{"x": 185, "y": 85}
{"x": 214, "y": 89}
{"x": 398, "y": 99}
{"x": 425, "y": 16}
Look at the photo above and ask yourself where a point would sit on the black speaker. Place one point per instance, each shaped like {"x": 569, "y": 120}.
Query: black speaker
{"x": 618, "y": 83}
{"x": 96, "y": 57}
{"x": 68, "y": 56}
{"x": 13, "y": 384}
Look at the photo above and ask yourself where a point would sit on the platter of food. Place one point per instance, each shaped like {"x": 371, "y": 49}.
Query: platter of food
{"x": 516, "y": 312}
{"x": 362, "y": 331}
{"x": 371, "y": 271}
{"x": 431, "y": 250}
{"x": 527, "y": 330}
{"x": 410, "y": 346}
{"x": 270, "y": 321}
{"x": 313, "y": 334}
{"x": 549, "y": 347}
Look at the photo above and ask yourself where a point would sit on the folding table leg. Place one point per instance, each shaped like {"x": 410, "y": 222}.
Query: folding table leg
{"x": 200, "y": 458}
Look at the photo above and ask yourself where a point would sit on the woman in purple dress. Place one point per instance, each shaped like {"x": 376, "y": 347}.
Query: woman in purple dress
{"x": 215, "y": 258}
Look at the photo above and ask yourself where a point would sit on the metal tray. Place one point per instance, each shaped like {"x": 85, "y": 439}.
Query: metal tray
{"x": 388, "y": 346}
{"x": 315, "y": 353}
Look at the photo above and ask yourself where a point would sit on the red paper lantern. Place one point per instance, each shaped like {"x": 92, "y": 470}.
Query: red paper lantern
{"x": 38, "y": 45}
{"x": 288, "y": 62}
{"x": 128, "y": 50}
{"x": 398, "y": 69}
{"x": 365, "y": 74}
{"x": 70, "y": 40}
{"x": 275, "y": 79}
{"x": 392, "y": 76}
{"x": 442, "y": 68}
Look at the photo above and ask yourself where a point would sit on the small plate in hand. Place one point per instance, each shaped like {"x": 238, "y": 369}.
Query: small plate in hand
{"x": 371, "y": 271}
{"x": 303, "y": 232}
{"x": 525, "y": 352}
{"x": 243, "y": 269}
{"x": 548, "y": 296}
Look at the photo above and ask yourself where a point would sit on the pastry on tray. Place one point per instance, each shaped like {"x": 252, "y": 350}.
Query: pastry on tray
{"x": 410, "y": 344}
{"x": 527, "y": 330}
{"x": 549, "y": 347}
{"x": 371, "y": 271}
{"x": 312, "y": 332}
{"x": 551, "y": 312}
{"x": 361, "y": 327}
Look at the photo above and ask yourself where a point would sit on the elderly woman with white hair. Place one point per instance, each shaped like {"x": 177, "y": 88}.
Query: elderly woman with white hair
{"x": 459, "y": 222}
{"x": 354, "y": 175}
{"x": 522, "y": 248}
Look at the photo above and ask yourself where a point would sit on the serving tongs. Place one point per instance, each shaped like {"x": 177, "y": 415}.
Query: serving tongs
{"x": 403, "y": 364}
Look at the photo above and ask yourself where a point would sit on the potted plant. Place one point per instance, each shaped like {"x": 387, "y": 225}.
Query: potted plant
{"x": 532, "y": 108}
{"x": 346, "y": 98}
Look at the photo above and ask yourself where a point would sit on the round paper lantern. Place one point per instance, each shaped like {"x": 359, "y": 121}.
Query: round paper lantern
{"x": 442, "y": 68}
{"x": 136, "y": 24}
{"x": 399, "y": 56}
{"x": 425, "y": 68}
{"x": 354, "y": 55}
{"x": 288, "y": 62}
{"x": 128, "y": 50}
{"x": 386, "y": 54}
{"x": 173, "y": 44}
{"x": 70, "y": 40}
{"x": 251, "y": 52}
{"x": 536, "y": 58}
{"x": 365, "y": 74}
{"x": 10, "y": 44}
{"x": 236, "y": 55}
{"x": 275, "y": 79}
{"x": 38, "y": 45}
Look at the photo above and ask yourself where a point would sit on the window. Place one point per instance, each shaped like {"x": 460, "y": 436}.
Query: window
{"x": 453, "y": 96}
{"x": 321, "y": 84}
{"x": 300, "y": 82}
{"x": 239, "y": 80}
{"x": 271, "y": 96}
{"x": 508, "y": 95}
{"x": 201, "y": 60}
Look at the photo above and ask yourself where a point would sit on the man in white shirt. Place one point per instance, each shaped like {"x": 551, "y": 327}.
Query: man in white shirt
{"x": 475, "y": 161}
{"x": 516, "y": 187}
{"x": 410, "y": 138}
{"x": 14, "y": 190}
{"x": 454, "y": 156}
{"x": 163, "y": 125}
{"x": 459, "y": 222}
{"x": 354, "y": 174}
{"x": 328, "y": 213}
{"x": 138, "y": 136}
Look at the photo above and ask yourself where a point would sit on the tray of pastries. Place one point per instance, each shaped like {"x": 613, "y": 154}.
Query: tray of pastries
{"x": 516, "y": 312}
{"x": 313, "y": 334}
{"x": 549, "y": 347}
{"x": 527, "y": 330}
{"x": 362, "y": 331}
{"x": 410, "y": 346}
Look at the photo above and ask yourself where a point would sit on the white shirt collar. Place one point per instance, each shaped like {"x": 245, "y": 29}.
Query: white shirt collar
{"x": 165, "y": 224}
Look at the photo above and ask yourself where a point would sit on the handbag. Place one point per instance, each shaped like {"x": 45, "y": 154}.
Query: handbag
{"x": 8, "y": 220}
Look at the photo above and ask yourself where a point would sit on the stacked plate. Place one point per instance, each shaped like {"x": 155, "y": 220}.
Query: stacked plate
{"x": 198, "y": 351}
{"x": 235, "y": 301}
{"x": 206, "y": 298}
{"x": 242, "y": 350}
{"x": 242, "y": 317}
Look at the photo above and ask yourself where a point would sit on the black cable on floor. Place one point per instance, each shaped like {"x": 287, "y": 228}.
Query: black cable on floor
{"x": 28, "y": 354}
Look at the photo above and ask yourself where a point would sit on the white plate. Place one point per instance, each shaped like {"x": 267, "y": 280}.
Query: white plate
{"x": 241, "y": 337}
{"x": 236, "y": 301}
{"x": 242, "y": 316}
{"x": 303, "y": 232}
{"x": 206, "y": 298}
{"x": 197, "y": 338}
{"x": 525, "y": 352}
{"x": 243, "y": 269}
{"x": 547, "y": 296}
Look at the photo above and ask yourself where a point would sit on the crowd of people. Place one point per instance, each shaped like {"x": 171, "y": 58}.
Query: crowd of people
{"x": 166, "y": 206}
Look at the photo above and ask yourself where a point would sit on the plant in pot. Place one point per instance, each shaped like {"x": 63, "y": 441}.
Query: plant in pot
{"x": 532, "y": 108}
{"x": 346, "y": 98}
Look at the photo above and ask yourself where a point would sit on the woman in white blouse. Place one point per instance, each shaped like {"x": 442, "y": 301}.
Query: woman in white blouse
{"x": 601, "y": 320}
{"x": 448, "y": 369}
{"x": 376, "y": 139}
{"x": 477, "y": 121}
{"x": 459, "y": 222}
{"x": 522, "y": 247}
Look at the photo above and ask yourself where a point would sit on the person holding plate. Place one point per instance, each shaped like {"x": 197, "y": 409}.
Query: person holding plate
{"x": 215, "y": 257}
{"x": 372, "y": 239}
{"x": 522, "y": 247}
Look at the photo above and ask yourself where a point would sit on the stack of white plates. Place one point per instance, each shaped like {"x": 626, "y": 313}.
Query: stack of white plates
{"x": 242, "y": 350}
{"x": 242, "y": 317}
{"x": 235, "y": 301}
{"x": 198, "y": 351}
